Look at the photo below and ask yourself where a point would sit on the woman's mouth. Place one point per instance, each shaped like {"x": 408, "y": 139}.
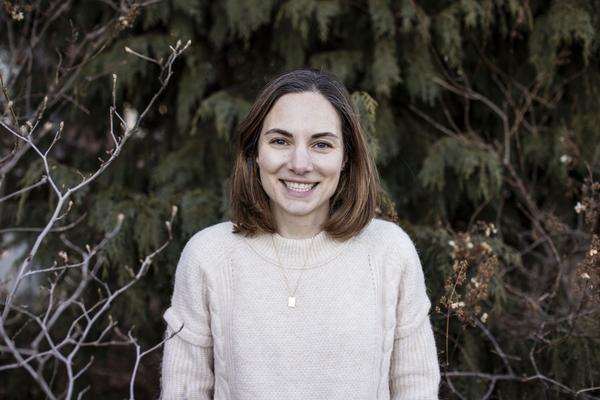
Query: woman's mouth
{"x": 299, "y": 187}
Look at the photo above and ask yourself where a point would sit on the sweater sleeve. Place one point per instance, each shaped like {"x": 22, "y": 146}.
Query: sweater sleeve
{"x": 414, "y": 369}
{"x": 187, "y": 368}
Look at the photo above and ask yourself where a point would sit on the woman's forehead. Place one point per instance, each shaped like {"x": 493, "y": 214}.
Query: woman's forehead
{"x": 306, "y": 112}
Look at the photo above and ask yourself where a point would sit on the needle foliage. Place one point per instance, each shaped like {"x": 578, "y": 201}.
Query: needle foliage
{"x": 483, "y": 117}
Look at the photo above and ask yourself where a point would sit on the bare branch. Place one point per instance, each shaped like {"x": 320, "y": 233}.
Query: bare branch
{"x": 75, "y": 275}
{"x": 41, "y": 182}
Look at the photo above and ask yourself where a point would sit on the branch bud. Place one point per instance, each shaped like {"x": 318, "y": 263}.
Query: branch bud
{"x": 63, "y": 254}
{"x": 131, "y": 117}
{"x": 585, "y": 275}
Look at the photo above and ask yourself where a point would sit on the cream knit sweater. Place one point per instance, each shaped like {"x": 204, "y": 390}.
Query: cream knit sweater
{"x": 360, "y": 329}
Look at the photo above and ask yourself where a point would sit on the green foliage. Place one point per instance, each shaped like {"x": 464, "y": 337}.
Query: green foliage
{"x": 386, "y": 72}
{"x": 419, "y": 77}
{"x": 386, "y": 132}
{"x": 367, "y": 110}
{"x": 411, "y": 16}
{"x": 195, "y": 10}
{"x": 159, "y": 14}
{"x": 299, "y": 13}
{"x": 433, "y": 247}
{"x": 178, "y": 170}
{"x": 289, "y": 45}
{"x": 346, "y": 65}
{"x": 565, "y": 24}
{"x": 448, "y": 35}
{"x": 218, "y": 30}
{"x": 325, "y": 13}
{"x": 192, "y": 86}
{"x": 199, "y": 208}
{"x": 303, "y": 13}
{"x": 382, "y": 18}
{"x": 246, "y": 17}
{"x": 477, "y": 13}
{"x": 546, "y": 153}
{"x": 477, "y": 173}
{"x": 225, "y": 110}
{"x": 429, "y": 80}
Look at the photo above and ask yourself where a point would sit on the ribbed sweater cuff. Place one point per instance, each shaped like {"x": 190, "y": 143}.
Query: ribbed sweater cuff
{"x": 414, "y": 369}
{"x": 187, "y": 371}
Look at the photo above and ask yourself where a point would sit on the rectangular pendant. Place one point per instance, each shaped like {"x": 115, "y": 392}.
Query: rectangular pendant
{"x": 291, "y": 301}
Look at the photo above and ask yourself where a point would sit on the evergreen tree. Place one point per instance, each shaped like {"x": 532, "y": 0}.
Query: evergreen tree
{"x": 482, "y": 115}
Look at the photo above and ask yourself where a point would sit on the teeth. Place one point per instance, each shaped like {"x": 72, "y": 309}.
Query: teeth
{"x": 299, "y": 187}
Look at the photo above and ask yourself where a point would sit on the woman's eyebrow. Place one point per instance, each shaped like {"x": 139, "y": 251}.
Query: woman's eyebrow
{"x": 324, "y": 134}
{"x": 278, "y": 131}
{"x": 288, "y": 134}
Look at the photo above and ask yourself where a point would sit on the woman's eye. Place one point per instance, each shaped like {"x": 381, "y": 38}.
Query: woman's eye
{"x": 278, "y": 141}
{"x": 323, "y": 145}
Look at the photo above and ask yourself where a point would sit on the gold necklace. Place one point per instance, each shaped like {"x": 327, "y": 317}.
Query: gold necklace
{"x": 291, "y": 294}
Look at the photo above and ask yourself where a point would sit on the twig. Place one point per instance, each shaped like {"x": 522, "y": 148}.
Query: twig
{"x": 492, "y": 339}
{"x": 25, "y": 189}
{"x": 139, "y": 355}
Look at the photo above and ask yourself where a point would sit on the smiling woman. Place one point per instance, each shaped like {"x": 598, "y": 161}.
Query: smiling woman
{"x": 303, "y": 199}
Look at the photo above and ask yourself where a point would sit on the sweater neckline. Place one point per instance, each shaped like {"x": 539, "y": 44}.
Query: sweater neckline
{"x": 295, "y": 253}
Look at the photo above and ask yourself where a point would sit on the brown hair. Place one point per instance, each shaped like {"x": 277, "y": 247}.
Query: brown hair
{"x": 357, "y": 196}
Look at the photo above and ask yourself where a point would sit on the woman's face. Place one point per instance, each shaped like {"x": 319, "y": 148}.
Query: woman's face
{"x": 300, "y": 156}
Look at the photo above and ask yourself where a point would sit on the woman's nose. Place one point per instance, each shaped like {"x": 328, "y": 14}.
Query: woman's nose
{"x": 300, "y": 161}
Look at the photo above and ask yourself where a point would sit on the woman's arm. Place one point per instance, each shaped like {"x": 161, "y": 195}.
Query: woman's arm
{"x": 187, "y": 370}
{"x": 414, "y": 369}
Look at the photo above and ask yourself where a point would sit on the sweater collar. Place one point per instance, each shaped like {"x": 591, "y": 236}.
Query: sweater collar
{"x": 296, "y": 253}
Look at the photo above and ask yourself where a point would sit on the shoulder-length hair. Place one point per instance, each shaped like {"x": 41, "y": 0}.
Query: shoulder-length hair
{"x": 357, "y": 196}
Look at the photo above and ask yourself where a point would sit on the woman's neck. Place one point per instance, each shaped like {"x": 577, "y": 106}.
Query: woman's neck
{"x": 298, "y": 227}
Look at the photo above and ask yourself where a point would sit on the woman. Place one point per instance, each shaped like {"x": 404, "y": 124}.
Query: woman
{"x": 304, "y": 294}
